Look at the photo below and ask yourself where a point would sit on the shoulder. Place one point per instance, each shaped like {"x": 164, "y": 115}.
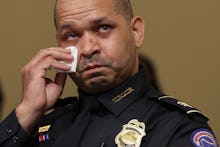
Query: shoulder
{"x": 62, "y": 106}
{"x": 62, "y": 110}
{"x": 179, "y": 122}
{"x": 187, "y": 110}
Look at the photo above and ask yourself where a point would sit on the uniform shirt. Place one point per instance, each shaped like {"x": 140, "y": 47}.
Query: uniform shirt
{"x": 131, "y": 115}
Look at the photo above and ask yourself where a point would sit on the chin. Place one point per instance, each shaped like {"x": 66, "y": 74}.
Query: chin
{"x": 97, "y": 86}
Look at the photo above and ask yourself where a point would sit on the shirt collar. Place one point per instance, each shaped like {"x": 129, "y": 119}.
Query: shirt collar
{"x": 126, "y": 93}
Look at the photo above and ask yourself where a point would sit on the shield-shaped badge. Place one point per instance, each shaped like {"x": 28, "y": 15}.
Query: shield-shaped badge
{"x": 131, "y": 134}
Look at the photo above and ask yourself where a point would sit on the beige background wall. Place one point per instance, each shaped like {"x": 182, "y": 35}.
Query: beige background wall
{"x": 182, "y": 38}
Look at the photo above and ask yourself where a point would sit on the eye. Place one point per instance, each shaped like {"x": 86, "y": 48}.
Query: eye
{"x": 104, "y": 28}
{"x": 71, "y": 36}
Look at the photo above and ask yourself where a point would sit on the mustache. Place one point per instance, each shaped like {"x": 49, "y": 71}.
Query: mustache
{"x": 96, "y": 59}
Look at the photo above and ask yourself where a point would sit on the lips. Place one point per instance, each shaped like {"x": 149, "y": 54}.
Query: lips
{"x": 92, "y": 67}
{"x": 93, "y": 71}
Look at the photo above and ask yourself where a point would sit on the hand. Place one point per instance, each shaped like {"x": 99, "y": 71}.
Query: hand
{"x": 39, "y": 92}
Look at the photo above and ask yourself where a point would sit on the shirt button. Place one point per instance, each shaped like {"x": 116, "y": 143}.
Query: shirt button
{"x": 9, "y": 131}
{"x": 15, "y": 139}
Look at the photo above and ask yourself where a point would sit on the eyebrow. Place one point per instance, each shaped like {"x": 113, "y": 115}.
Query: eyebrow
{"x": 66, "y": 26}
{"x": 70, "y": 25}
{"x": 101, "y": 20}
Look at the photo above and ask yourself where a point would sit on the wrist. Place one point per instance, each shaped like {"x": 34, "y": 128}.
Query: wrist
{"x": 27, "y": 117}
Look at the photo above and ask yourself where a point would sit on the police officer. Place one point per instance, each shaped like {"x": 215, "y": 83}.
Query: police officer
{"x": 116, "y": 105}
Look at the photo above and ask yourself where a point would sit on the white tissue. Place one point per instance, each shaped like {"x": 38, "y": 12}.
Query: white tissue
{"x": 73, "y": 65}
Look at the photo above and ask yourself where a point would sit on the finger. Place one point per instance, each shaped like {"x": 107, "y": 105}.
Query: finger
{"x": 62, "y": 66}
{"x": 55, "y": 53}
{"x": 60, "y": 79}
{"x": 50, "y": 63}
{"x": 59, "y": 53}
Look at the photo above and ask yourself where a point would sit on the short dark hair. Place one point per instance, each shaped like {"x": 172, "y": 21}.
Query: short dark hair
{"x": 121, "y": 6}
{"x": 124, "y": 7}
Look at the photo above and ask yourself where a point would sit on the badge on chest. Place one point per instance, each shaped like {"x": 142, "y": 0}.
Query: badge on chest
{"x": 131, "y": 134}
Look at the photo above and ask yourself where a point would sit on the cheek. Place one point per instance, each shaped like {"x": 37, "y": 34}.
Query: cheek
{"x": 117, "y": 56}
{"x": 121, "y": 56}
{"x": 118, "y": 52}
{"x": 121, "y": 61}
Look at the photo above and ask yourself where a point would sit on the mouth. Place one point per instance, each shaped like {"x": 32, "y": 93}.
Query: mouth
{"x": 93, "y": 71}
{"x": 91, "y": 67}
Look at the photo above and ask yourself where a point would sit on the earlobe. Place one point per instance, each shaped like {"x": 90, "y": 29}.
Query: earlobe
{"x": 137, "y": 24}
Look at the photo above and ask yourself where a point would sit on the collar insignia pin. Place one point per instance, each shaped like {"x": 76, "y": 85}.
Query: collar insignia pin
{"x": 121, "y": 96}
{"x": 131, "y": 134}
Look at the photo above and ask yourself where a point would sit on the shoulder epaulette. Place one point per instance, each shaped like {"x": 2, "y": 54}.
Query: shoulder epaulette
{"x": 59, "y": 108}
{"x": 62, "y": 103}
{"x": 188, "y": 109}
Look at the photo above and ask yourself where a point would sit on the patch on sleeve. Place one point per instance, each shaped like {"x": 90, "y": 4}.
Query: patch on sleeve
{"x": 203, "y": 138}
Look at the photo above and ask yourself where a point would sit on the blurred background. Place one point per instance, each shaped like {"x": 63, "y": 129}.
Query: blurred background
{"x": 182, "y": 41}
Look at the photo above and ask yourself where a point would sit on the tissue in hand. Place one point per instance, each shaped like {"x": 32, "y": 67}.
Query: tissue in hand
{"x": 73, "y": 64}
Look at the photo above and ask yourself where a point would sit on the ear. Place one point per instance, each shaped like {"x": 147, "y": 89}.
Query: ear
{"x": 137, "y": 26}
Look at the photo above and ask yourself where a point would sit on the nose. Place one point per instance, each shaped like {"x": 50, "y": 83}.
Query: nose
{"x": 89, "y": 44}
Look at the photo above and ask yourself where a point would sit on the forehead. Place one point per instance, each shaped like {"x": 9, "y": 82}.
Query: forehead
{"x": 82, "y": 8}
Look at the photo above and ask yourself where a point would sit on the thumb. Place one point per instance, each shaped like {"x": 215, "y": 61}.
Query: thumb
{"x": 60, "y": 79}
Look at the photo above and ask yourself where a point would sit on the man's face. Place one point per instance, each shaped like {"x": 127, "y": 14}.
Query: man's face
{"x": 106, "y": 45}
